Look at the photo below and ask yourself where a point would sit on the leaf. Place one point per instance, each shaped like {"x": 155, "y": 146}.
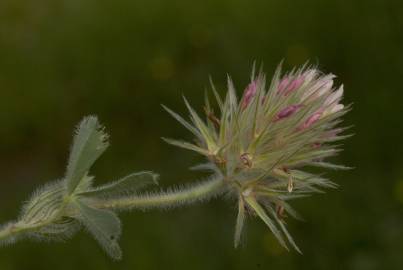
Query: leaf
{"x": 266, "y": 219}
{"x": 104, "y": 225}
{"x": 85, "y": 184}
{"x": 240, "y": 220}
{"x": 89, "y": 143}
{"x": 127, "y": 185}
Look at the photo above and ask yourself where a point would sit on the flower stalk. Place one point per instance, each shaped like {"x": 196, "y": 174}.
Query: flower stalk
{"x": 199, "y": 192}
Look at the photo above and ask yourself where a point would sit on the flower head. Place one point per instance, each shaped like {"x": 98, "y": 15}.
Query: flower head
{"x": 261, "y": 143}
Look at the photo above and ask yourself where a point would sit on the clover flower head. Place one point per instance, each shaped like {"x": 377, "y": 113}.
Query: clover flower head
{"x": 262, "y": 141}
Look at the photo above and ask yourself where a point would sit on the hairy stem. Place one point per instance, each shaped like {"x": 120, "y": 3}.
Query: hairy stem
{"x": 168, "y": 199}
{"x": 7, "y": 231}
{"x": 12, "y": 230}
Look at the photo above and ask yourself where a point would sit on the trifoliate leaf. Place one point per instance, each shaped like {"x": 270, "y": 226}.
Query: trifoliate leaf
{"x": 89, "y": 143}
{"x": 104, "y": 225}
{"x": 124, "y": 186}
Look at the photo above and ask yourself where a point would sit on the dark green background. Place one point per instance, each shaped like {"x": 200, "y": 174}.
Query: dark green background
{"x": 120, "y": 59}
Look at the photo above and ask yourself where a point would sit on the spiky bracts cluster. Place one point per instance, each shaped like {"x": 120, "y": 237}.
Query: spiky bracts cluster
{"x": 261, "y": 142}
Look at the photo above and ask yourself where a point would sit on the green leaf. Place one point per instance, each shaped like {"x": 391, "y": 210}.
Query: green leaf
{"x": 104, "y": 225}
{"x": 89, "y": 143}
{"x": 240, "y": 221}
{"x": 85, "y": 184}
{"x": 124, "y": 186}
{"x": 266, "y": 219}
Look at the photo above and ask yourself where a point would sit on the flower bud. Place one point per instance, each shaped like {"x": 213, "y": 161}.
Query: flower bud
{"x": 287, "y": 85}
{"x": 282, "y": 85}
{"x": 288, "y": 111}
{"x": 311, "y": 120}
{"x": 294, "y": 85}
{"x": 249, "y": 93}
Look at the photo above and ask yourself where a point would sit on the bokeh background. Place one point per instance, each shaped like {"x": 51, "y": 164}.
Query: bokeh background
{"x": 62, "y": 60}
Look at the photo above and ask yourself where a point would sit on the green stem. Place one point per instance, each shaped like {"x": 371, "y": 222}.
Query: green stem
{"x": 14, "y": 229}
{"x": 6, "y": 231}
{"x": 191, "y": 194}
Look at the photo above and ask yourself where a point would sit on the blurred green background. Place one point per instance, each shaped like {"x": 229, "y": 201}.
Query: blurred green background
{"x": 62, "y": 60}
